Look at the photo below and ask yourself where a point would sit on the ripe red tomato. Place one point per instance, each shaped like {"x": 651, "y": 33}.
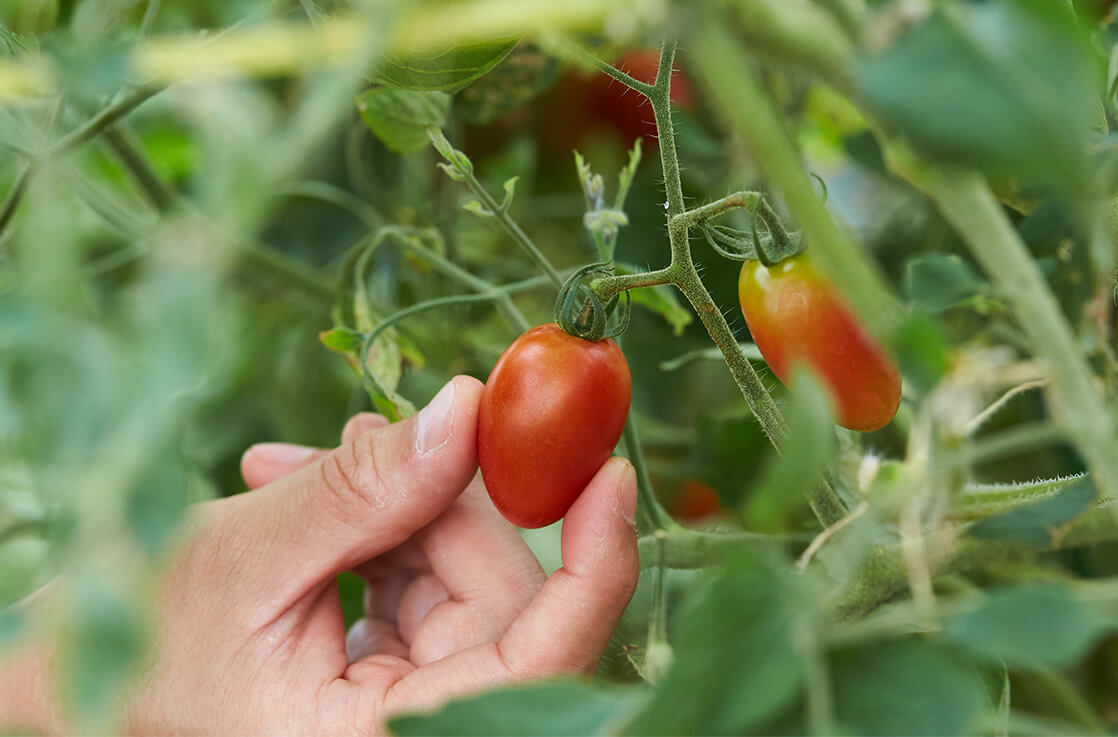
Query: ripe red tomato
{"x": 551, "y": 414}
{"x": 795, "y": 314}
{"x": 696, "y": 501}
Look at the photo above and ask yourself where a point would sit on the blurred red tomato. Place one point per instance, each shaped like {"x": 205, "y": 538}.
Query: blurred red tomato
{"x": 695, "y": 501}
{"x": 586, "y": 107}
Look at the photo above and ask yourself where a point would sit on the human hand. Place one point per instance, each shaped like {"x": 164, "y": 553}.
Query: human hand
{"x": 251, "y": 636}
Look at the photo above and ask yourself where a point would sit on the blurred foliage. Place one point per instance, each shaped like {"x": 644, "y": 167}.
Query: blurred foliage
{"x": 165, "y": 280}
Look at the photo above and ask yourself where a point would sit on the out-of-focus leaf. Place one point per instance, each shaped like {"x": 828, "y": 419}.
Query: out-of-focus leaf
{"x": 12, "y": 623}
{"x": 342, "y": 340}
{"x": 400, "y": 117}
{"x": 103, "y": 650}
{"x": 664, "y": 301}
{"x": 448, "y": 70}
{"x": 540, "y": 710}
{"x": 99, "y": 69}
{"x": 1038, "y": 523}
{"x": 17, "y": 45}
{"x": 922, "y": 352}
{"x": 158, "y": 500}
{"x": 725, "y": 454}
{"x": 1028, "y": 627}
{"x": 525, "y": 73}
{"x": 909, "y": 687}
{"x": 1005, "y": 85}
{"x": 937, "y": 281}
{"x": 735, "y": 664}
{"x": 791, "y": 474}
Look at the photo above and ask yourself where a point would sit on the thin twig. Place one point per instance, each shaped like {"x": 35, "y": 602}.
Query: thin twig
{"x": 980, "y": 419}
{"x": 824, "y": 536}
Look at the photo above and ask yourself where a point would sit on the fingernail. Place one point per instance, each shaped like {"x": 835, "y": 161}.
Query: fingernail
{"x": 625, "y": 494}
{"x": 628, "y": 484}
{"x": 435, "y": 420}
{"x": 283, "y": 453}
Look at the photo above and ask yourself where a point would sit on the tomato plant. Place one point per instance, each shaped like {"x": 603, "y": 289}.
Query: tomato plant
{"x": 794, "y": 315}
{"x": 552, "y": 411}
{"x": 193, "y": 190}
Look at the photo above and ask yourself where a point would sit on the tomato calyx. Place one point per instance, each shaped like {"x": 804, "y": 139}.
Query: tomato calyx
{"x": 582, "y": 313}
{"x": 768, "y": 239}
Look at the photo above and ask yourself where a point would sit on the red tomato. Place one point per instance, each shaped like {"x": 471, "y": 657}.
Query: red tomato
{"x": 795, "y": 314}
{"x": 551, "y": 414}
{"x": 696, "y": 501}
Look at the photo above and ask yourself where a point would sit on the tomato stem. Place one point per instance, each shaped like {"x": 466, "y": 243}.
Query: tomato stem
{"x": 563, "y": 46}
{"x": 658, "y": 517}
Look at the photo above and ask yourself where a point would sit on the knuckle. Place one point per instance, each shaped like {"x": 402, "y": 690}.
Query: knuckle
{"x": 352, "y": 477}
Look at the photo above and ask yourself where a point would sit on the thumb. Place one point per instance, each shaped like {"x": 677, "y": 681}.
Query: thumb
{"x": 362, "y": 499}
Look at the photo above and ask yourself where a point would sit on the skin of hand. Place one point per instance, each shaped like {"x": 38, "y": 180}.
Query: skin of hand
{"x": 251, "y": 637}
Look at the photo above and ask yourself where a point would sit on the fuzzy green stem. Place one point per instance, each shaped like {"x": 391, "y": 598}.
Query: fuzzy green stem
{"x": 825, "y": 503}
{"x": 126, "y": 147}
{"x": 711, "y": 210}
{"x": 658, "y": 518}
{"x": 490, "y": 295}
{"x": 607, "y": 287}
{"x": 661, "y": 97}
{"x": 511, "y": 227}
{"x": 565, "y": 47}
{"x": 687, "y": 549}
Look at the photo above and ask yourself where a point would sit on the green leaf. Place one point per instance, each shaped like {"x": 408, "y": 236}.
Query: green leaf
{"x": 791, "y": 474}
{"x": 725, "y": 454}
{"x": 525, "y": 73}
{"x": 400, "y": 117}
{"x": 447, "y": 69}
{"x": 664, "y": 301}
{"x": 735, "y": 665}
{"x": 909, "y": 687}
{"x": 560, "y": 707}
{"x": 938, "y": 281}
{"x": 510, "y": 192}
{"x": 157, "y": 501}
{"x": 1006, "y": 85}
{"x": 1038, "y": 523}
{"x": 922, "y": 351}
{"x": 1028, "y": 627}
{"x": 627, "y": 174}
{"x": 342, "y": 340}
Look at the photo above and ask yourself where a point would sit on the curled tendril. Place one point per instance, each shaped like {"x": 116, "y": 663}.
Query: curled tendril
{"x": 580, "y": 311}
{"x": 822, "y": 184}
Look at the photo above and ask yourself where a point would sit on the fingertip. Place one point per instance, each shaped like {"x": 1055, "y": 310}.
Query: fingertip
{"x": 263, "y": 463}
{"x": 600, "y": 526}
